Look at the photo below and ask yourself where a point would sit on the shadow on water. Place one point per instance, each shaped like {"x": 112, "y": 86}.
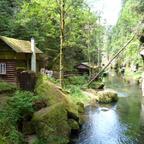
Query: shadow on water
{"x": 120, "y": 123}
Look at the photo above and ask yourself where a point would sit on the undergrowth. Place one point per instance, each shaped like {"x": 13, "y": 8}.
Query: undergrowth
{"x": 4, "y": 86}
{"x": 74, "y": 86}
{"x": 17, "y": 106}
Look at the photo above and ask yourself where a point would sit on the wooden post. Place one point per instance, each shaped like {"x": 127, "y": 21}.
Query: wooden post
{"x": 33, "y": 56}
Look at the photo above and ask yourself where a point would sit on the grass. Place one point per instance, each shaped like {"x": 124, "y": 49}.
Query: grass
{"x": 4, "y": 87}
{"x": 74, "y": 86}
{"x": 76, "y": 94}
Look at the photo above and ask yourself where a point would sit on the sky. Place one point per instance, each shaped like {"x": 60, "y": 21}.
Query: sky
{"x": 109, "y": 9}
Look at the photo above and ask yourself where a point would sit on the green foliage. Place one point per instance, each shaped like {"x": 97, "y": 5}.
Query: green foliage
{"x": 76, "y": 80}
{"x": 131, "y": 15}
{"x": 98, "y": 84}
{"x": 74, "y": 86}
{"x": 76, "y": 94}
{"x": 4, "y": 86}
{"x": 41, "y": 19}
{"x": 18, "y": 105}
{"x": 8, "y": 9}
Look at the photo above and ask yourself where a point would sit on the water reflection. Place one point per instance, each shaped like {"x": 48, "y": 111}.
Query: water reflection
{"x": 122, "y": 123}
{"x": 103, "y": 127}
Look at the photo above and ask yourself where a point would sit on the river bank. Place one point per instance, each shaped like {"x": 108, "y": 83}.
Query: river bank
{"x": 133, "y": 77}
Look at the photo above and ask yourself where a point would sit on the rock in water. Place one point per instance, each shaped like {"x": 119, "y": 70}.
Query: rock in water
{"x": 107, "y": 96}
{"x": 104, "y": 109}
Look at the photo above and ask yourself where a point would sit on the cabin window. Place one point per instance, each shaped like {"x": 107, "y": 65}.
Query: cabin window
{"x": 2, "y": 68}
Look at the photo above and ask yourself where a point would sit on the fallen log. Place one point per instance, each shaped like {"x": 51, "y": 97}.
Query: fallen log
{"x": 116, "y": 55}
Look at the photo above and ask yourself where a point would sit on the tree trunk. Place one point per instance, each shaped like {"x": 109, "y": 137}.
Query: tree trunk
{"x": 62, "y": 23}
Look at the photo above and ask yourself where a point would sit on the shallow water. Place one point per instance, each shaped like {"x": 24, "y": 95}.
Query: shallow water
{"x": 120, "y": 123}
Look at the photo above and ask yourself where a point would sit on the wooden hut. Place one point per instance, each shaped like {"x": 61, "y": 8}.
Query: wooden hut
{"x": 83, "y": 68}
{"x": 14, "y": 55}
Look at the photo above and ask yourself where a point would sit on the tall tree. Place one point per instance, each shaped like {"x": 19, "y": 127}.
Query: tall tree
{"x": 62, "y": 27}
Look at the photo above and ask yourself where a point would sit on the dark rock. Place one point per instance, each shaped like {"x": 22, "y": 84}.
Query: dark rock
{"x": 72, "y": 115}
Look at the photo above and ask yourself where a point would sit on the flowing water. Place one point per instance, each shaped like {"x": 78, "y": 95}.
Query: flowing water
{"x": 120, "y": 123}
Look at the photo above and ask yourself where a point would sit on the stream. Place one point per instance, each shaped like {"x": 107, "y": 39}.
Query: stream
{"x": 119, "y": 123}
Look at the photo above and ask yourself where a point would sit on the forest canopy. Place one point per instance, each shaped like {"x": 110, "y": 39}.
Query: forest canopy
{"x": 40, "y": 19}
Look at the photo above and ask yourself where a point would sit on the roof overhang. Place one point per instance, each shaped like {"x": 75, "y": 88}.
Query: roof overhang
{"x": 19, "y": 46}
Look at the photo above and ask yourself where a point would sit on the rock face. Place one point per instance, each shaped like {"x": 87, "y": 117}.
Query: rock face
{"x": 107, "y": 96}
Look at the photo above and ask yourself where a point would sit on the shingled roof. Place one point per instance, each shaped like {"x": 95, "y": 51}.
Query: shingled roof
{"x": 19, "y": 46}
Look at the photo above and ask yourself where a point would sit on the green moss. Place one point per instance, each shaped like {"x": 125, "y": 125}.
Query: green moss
{"x": 51, "y": 124}
{"x": 50, "y": 91}
{"x": 107, "y": 96}
{"x": 73, "y": 124}
{"x": 80, "y": 107}
{"x": 53, "y": 94}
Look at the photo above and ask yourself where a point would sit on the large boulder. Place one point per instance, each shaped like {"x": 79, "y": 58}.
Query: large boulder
{"x": 55, "y": 122}
{"x": 51, "y": 124}
{"x": 107, "y": 96}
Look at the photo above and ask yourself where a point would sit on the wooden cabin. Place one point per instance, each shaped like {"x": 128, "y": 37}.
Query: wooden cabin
{"x": 15, "y": 55}
{"x": 83, "y": 68}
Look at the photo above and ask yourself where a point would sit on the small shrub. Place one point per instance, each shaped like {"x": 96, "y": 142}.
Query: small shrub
{"x": 4, "y": 86}
{"x": 76, "y": 80}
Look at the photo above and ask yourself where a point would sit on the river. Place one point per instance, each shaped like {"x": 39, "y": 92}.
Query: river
{"x": 119, "y": 123}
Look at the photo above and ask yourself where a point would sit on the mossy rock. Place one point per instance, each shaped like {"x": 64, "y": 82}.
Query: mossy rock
{"x": 107, "y": 96}
{"x": 80, "y": 107}
{"x": 53, "y": 94}
{"x": 50, "y": 92}
{"x": 73, "y": 124}
{"x": 51, "y": 124}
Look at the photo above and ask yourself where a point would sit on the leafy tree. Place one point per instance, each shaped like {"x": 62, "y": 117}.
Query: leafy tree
{"x": 127, "y": 24}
